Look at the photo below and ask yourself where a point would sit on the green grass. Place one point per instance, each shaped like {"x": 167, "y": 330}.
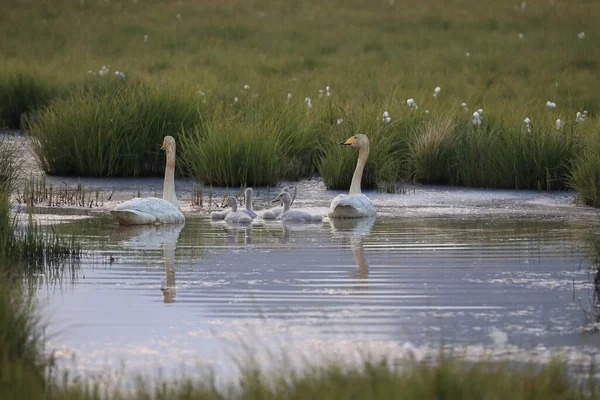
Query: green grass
{"x": 112, "y": 132}
{"x": 372, "y": 56}
{"x": 584, "y": 174}
{"x": 23, "y": 92}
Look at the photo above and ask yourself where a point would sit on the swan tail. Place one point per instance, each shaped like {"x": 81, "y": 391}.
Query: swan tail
{"x": 133, "y": 217}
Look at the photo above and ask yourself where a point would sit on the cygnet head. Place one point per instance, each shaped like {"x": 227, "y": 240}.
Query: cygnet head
{"x": 283, "y": 196}
{"x": 232, "y": 202}
{"x": 249, "y": 193}
{"x": 360, "y": 141}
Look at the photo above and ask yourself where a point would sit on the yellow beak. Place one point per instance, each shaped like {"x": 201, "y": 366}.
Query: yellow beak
{"x": 348, "y": 141}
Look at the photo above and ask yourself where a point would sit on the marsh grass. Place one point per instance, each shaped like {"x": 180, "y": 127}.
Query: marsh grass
{"x": 584, "y": 176}
{"x": 257, "y": 144}
{"x": 23, "y": 92}
{"x": 36, "y": 191}
{"x": 114, "y": 133}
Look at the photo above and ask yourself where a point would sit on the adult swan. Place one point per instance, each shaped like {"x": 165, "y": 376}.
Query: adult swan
{"x": 152, "y": 210}
{"x": 354, "y": 204}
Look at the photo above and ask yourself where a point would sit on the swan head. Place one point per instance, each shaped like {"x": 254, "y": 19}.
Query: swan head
{"x": 249, "y": 192}
{"x": 361, "y": 141}
{"x": 232, "y": 202}
{"x": 168, "y": 143}
{"x": 169, "y": 147}
{"x": 283, "y": 196}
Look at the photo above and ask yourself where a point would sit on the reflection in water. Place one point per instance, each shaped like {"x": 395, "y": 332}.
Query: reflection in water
{"x": 356, "y": 229}
{"x": 151, "y": 237}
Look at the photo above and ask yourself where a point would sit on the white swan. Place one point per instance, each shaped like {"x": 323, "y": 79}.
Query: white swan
{"x": 354, "y": 204}
{"x": 273, "y": 213}
{"x": 249, "y": 210}
{"x": 289, "y": 215}
{"x": 152, "y": 210}
{"x": 235, "y": 216}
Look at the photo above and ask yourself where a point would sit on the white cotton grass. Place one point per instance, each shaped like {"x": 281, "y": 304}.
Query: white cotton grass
{"x": 289, "y": 96}
{"x": 246, "y": 87}
{"x": 103, "y": 71}
{"x": 527, "y": 122}
{"x": 558, "y": 124}
{"x": 412, "y": 104}
{"x": 320, "y": 92}
{"x": 550, "y": 104}
{"x": 468, "y": 54}
{"x": 120, "y": 74}
{"x": 145, "y": 38}
{"x": 308, "y": 102}
{"x": 437, "y": 91}
{"x": 521, "y": 36}
{"x": 178, "y": 16}
{"x": 236, "y": 100}
{"x": 581, "y": 116}
{"x": 339, "y": 121}
{"x": 581, "y": 35}
{"x": 328, "y": 90}
{"x": 476, "y": 118}
{"x": 386, "y": 118}
{"x": 464, "y": 107}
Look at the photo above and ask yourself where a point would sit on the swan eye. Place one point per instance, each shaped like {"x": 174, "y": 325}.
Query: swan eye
{"x": 355, "y": 137}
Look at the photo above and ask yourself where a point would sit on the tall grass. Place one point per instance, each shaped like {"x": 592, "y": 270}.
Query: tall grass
{"x": 584, "y": 175}
{"x": 110, "y": 133}
{"x": 258, "y": 144}
{"x": 23, "y": 92}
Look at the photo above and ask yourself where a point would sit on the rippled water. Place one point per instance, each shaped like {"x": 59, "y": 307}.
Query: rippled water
{"x": 495, "y": 272}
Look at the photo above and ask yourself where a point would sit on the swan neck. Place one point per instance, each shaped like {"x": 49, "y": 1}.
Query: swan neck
{"x": 363, "y": 153}
{"x": 286, "y": 206}
{"x": 248, "y": 200}
{"x": 234, "y": 206}
{"x": 169, "y": 185}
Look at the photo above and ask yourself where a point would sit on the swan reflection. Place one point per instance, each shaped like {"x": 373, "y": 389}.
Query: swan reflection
{"x": 154, "y": 237}
{"x": 355, "y": 229}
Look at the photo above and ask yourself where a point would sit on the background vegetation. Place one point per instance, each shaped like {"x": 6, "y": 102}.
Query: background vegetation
{"x": 232, "y": 80}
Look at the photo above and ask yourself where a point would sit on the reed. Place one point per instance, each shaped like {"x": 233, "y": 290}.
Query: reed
{"x": 22, "y": 92}
{"x": 584, "y": 175}
{"x": 112, "y": 133}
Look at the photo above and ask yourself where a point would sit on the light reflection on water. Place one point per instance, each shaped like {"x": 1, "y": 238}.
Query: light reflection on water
{"x": 172, "y": 295}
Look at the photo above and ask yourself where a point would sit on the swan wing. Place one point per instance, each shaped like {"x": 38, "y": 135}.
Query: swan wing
{"x": 271, "y": 213}
{"x": 353, "y": 206}
{"x": 238, "y": 218}
{"x": 217, "y": 215}
{"x": 299, "y": 216}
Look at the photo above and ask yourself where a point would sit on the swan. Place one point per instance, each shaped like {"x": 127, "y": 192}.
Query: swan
{"x": 289, "y": 215}
{"x": 248, "y": 194}
{"x": 235, "y": 216}
{"x": 152, "y": 210}
{"x": 273, "y": 213}
{"x": 354, "y": 204}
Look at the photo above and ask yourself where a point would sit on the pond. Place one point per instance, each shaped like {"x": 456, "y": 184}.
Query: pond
{"x": 505, "y": 274}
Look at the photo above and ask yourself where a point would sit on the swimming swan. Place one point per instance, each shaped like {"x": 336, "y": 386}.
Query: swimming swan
{"x": 248, "y": 194}
{"x": 289, "y": 215}
{"x": 354, "y": 204}
{"x": 152, "y": 210}
{"x": 235, "y": 216}
{"x": 273, "y": 213}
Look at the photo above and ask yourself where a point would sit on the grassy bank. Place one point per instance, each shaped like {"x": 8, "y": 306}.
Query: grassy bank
{"x": 260, "y": 91}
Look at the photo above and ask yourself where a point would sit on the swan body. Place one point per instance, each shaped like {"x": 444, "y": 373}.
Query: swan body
{"x": 289, "y": 215}
{"x": 273, "y": 213}
{"x": 235, "y": 216}
{"x": 248, "y": 210}
{"x": 351, "y": 206}
{"x": 354, "y": 204}
{"x": 153, "y": 210}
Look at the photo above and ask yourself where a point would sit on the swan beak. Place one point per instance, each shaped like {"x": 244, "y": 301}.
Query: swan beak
{"x": 276, "y": 199}
{"x": 348, "y": 142}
